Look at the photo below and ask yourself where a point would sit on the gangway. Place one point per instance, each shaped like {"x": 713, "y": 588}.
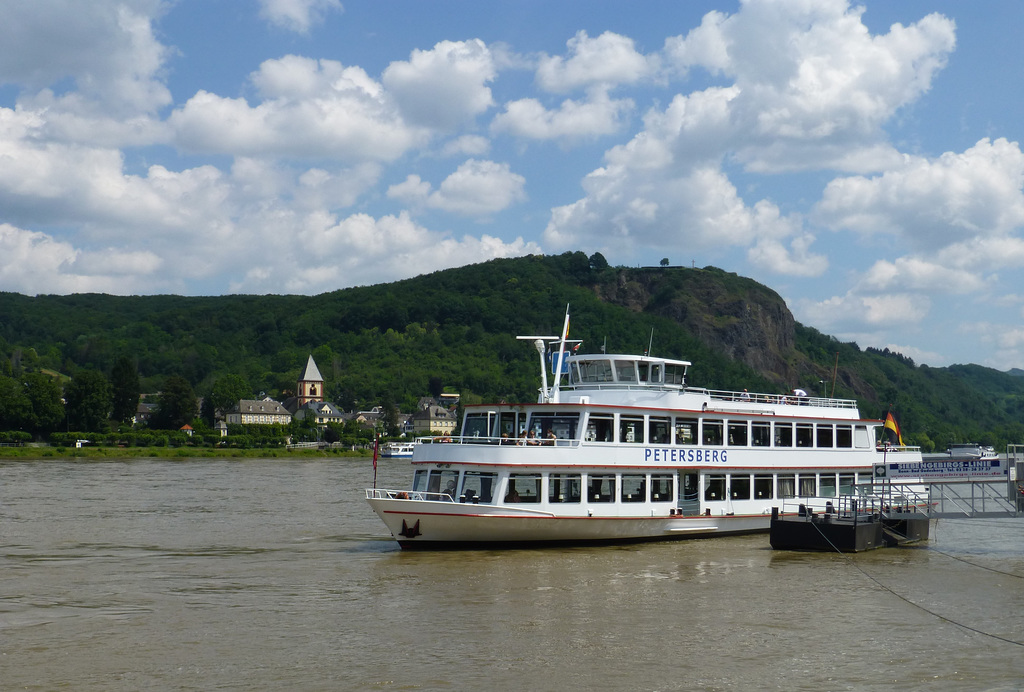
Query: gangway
{"x": 945, "y": 488}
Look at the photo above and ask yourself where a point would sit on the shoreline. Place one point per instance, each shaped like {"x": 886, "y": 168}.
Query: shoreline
{"x": 28, "y": 453}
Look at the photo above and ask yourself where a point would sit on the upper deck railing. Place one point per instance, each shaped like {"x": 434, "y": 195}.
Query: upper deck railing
{"x": 718, "y": 394}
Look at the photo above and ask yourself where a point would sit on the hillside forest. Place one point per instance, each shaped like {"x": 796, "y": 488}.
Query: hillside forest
{"x": 81, "y": 362}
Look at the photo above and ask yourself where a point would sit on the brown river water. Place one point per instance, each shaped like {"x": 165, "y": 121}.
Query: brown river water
{"x": 271, "y": 574}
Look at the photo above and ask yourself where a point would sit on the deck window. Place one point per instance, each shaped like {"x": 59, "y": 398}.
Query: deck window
{"x": 844, "y": 436}
{"x": 563, "y": 425}
{"x": 804, "y": 434}
{"x": 478, "y": 486}
{"x": 808, "y": 485}
{"x": 601, "y": 487}
{"x": 631, "y": 430}
{"x": 787, "y": 486}
{"x": 714, "y": 487}
{"x": 634, "y": 487}
{"x": 846, "y": 483}
{"x": 783, "y": 434}
{"x": 564, "y": 487}
{"x": 661, "y": 487}
{"x": 711, "y": 431}
{"x": 861, "y": 438}
{"x": 478, "y": 424}
{"x": 827, "y": 485}
{"x": 825, "y": 432}
{"x": 739, "y": 487}
{"x": 523, "y": 488}
{"x": 436, "y": 481}
{"x": 599, "y": 429}
{"x": 738, "y": 433}
{"x": 686, "y": 431}
{"x": 658, "y": 430}
{"x": 760, "y": 434}
{"x": 762, "y": 487}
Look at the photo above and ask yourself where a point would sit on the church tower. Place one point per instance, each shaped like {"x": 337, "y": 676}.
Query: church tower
{"x": 311, "y": 384}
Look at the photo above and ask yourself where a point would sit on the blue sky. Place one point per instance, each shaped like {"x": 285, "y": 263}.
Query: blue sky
{"x": 861, "y": 160}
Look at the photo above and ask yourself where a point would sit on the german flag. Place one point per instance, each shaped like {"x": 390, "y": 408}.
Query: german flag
{"x": 890, "y": 424}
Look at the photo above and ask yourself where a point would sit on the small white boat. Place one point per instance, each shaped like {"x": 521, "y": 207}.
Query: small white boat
{"x": 398, "y": 449}
{"x": 625, "y": 450}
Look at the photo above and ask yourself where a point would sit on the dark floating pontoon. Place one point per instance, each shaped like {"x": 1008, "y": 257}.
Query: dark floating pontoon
{"x": 847, "y": 524}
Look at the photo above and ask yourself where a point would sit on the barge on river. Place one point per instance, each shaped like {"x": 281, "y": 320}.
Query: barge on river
{"x": 622, "y": 449}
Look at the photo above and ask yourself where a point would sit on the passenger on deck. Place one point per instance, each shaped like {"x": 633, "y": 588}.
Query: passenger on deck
{"x": 513, "y": 495}
{"x": 531, "y": 439}
{"x": 551, "y": 437}
{"x": 450, "y": 489}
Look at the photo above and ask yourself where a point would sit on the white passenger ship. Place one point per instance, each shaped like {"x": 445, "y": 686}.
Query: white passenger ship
{"x": 624, "y": 450}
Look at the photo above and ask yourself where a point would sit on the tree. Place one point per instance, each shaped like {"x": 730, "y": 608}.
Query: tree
{"x": 227, "y": 391}
{"x": 390, "y": 419}
{"x": 664, "y": 261}
{"x": 124, "y": 381}
{"x": 175, "y": 405}
{"x": 598, "y": 262}
{"x": 14, "y": 405}
{"x": 88, "y": 398}
{"x": 46, "y": 410}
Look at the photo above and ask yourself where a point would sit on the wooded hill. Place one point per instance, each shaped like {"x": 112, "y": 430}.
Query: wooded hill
{"x": 389, "y": 343}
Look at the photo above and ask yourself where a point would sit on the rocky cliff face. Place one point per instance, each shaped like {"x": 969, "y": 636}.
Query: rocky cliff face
{"x": 739, "y": 317}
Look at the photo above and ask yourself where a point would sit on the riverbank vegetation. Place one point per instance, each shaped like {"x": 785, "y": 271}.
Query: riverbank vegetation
{"x": 389, "y": 345}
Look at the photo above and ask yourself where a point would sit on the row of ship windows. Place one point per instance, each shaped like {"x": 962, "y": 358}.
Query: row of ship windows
{"x": 667, "y": 430}
{"x": 525, "y": 488}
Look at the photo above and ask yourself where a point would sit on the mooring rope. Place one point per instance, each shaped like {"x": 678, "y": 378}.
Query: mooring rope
{"x": 907, "y": 600}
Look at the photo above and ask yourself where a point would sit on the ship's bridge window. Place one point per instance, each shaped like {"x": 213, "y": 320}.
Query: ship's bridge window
{"x": 601, "y": 487}
{"x": 593, "y": 371}
{"x": 600, "y": 428}
{"x": 675, "y": 374}
{"x": 861, "y": 438}
{"x": 712, "y": 431}
{"x": 844, "y": 436}
{"x": 523, "y": 488}
{"x": 631, "y": 429}
{"x": 478, "y": 486}
{"x": 686, "y": 431}
{"x": 761, "y": 434}
{"x": 625, "y": 370}
{"x": 563, "y": 424}
{"x": 658, "y": 430}
{"x": 714, "y": 487}
{"x": 634, "y": 487}
{"x": 657, "y": 372}
{"x": 661, "y": 487}
{"x": 564, "y": 487}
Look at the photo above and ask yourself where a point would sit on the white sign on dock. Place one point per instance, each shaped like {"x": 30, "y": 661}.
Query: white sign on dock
{"x": 944, "y": 470}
